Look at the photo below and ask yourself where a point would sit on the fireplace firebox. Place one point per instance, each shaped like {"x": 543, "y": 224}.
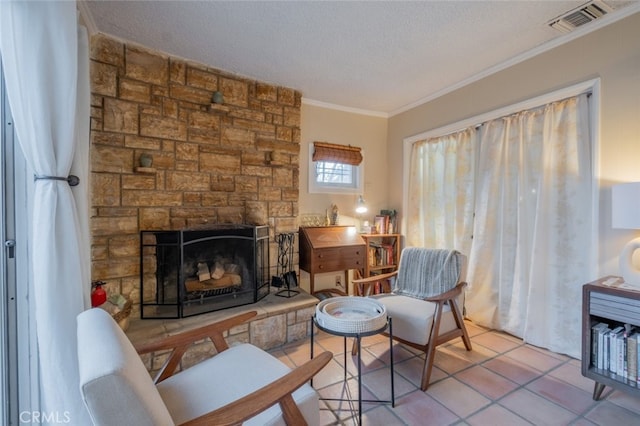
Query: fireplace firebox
{"x": 190, "y": 272}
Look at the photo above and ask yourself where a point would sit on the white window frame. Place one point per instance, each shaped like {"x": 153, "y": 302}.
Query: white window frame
{"x": 330, "y": 188}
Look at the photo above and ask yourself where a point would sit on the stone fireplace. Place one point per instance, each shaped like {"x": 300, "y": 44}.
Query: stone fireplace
{"x": 231, "y": 163}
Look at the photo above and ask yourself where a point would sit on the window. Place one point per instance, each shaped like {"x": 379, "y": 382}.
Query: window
{"x": 335, "y": 173}
{"x": 335, "y": 169}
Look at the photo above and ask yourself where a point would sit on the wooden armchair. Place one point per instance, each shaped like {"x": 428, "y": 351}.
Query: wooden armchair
{"x": 240, "y": 384}
{"x": 426, "y": 302}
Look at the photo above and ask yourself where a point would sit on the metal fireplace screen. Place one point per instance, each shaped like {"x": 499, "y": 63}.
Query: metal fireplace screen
{"x": 190, "y": 272}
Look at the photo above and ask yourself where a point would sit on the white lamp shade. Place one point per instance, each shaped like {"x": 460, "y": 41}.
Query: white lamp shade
{"x": 625, "y": 214}
{"x": 625, "y": 206}
{"x": 361, "y": 207}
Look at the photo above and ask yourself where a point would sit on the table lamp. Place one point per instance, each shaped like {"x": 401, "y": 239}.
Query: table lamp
{"x": 625, "y": 214}
{"x": 361, "y": 206}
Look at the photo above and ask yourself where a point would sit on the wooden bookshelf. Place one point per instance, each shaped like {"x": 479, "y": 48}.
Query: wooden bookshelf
{"x": 383, "y": 253}
{"x": 607, "y": 300}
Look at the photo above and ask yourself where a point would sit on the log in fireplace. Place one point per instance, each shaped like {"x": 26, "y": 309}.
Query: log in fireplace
{"x": 190, "y": 272}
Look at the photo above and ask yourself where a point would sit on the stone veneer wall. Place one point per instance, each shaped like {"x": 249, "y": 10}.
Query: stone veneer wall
{"x": 236, "y": 162}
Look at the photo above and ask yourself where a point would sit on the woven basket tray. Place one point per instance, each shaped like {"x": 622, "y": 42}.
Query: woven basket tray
{"x": 350, "y": 314}
{"x": 124, "y": 313}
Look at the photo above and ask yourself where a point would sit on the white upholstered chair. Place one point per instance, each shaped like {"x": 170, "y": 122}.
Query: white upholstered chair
{"x": 426, "y": 301}
{"x": 240, "y": 384}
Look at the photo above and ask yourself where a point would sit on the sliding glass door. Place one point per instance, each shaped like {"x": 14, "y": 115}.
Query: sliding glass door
{"x": 8, "y": 374}
{"x": 19, "y": 397}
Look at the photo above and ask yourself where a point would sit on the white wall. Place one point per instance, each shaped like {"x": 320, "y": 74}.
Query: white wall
{"x": 611, "y": 54}
{"x": 346, "y": 128}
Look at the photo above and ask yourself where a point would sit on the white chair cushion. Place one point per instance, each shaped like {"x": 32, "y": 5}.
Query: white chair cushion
{"x": 228, "y": 376}
{"x": 412, "y": 318}
{"x": 115, "y": 384}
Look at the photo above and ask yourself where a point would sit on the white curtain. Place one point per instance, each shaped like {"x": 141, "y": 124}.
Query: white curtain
{"x": 441, "y": 186}
{"x": 532, "y": 238}
{"x": 46, "y": 68}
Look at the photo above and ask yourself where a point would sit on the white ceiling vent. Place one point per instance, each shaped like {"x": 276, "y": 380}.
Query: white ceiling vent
{"x": 579, "y": 16}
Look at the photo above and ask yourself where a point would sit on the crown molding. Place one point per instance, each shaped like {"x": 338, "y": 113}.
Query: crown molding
{"x": 552, "y": 44}
{"x": 337, "y": 107}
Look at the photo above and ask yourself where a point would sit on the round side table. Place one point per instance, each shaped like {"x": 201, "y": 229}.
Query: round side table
{"x": 334, "y": 328}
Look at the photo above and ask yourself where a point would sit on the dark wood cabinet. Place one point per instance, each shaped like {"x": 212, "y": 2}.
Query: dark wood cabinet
{"x": 606, "y": 300}
{"x": 329, "y": 249}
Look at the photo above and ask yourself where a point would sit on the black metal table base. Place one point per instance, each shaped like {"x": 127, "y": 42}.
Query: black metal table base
{"x": 358, "y": 337}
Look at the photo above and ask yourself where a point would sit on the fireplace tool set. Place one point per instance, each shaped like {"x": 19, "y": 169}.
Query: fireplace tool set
{"x": 286, "y": 275}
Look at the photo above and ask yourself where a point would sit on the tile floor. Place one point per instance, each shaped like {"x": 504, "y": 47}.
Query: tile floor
{"x": 501, "y": 382}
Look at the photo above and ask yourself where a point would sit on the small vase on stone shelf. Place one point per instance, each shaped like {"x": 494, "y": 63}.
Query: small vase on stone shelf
{"x": 146, "y": 160}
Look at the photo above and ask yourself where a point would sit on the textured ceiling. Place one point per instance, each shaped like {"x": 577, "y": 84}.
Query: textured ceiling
{"x": 378, "y": 56}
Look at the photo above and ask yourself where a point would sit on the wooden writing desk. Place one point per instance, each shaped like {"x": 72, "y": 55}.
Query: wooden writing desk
{"x": 329, "y": 249}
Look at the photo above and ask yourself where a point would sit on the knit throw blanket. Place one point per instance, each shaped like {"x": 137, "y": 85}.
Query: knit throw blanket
{"x": 427, "y": 272}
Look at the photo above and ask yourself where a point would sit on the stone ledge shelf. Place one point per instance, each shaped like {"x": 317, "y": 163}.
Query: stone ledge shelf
{"x": 141, "y": 169}
{"x": 218, "y": 108}
{"x": 279, "y": 321}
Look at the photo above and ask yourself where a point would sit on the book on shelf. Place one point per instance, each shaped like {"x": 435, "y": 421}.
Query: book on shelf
{"x": 614, "y": 350}
{"x": 632, "y": 359}
{"x": 381, "y": 224}
{"x": 638, "y": 360}
{"x": 392, "y": 214}
{"x": 595, "y": 338}
{"x": 603, "y": 348}
{"x": 614, "y": 360}
{"x": 380, "y": 254}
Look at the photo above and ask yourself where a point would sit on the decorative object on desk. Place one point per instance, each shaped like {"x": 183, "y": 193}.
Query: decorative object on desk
{"x": 312, "y": 219}
{"x": 217, "y": 97}
{"x": 334, "y": 214}
{"x": 286, "y": 276}
{"x": 146, "y": 160}
{"x": 98, "y": 295}
{"x": 365, "y": 228}
{"x": 625, "y": 214}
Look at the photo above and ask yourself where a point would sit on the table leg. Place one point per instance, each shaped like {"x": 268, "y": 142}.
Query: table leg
{"x": 393, "y": 395}
{"x": 344, "y": 341}
{"x": 311, "y": 346}
{"x": 359, "y": 380}
{"x": 597, "y": 391}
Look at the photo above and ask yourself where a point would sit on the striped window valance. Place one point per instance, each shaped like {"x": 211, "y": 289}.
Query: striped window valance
{"x": 344, "y": 154}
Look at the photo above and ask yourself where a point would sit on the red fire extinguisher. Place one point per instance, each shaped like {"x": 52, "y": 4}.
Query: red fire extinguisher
{"x": 98, "y": 295}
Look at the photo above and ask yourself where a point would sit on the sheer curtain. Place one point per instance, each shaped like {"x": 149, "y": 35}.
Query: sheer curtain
{"x": 47, "y": 87}
{"x": 532, "y": 241}
{"x": 441, "y": 180}
{"x": 528, "y": 179}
